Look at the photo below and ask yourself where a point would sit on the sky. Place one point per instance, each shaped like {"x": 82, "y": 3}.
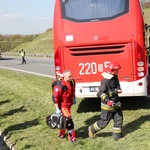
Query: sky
{"x": 26, "y": 16}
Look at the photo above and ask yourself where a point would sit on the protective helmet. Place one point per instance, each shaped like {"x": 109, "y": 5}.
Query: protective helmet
{"x": 112, "y": 68}
{"x": 114, "y": 65}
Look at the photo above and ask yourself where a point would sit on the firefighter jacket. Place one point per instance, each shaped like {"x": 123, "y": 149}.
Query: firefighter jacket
{"x": 64, "y": 94}
{"x": 109, "y": 91}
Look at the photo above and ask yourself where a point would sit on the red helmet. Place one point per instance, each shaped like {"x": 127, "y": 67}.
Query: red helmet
{"x": 112, "y": 67}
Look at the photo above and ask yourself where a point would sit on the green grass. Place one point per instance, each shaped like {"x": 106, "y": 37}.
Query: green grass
{"x": 146, "y": 15}
{"x": 25, "y": 101}
{"x": 42, "y": 44}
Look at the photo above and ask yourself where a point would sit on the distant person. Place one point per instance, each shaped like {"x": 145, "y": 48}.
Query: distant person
{"x": 63, "y": 98}
{"x": 22, "y": 52}
{"x": 110, "y": 103}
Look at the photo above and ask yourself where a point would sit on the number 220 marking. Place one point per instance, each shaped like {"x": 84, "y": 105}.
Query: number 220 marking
{"x": 88, "y": 68}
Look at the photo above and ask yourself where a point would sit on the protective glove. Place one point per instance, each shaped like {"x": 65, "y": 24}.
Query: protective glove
{"x": 118, "y": 104}
{"x": 119, "y": 91}
{"x": 74, "y": 101}
{"x": 110, "y": 103}
{"x": 58, "y": 111}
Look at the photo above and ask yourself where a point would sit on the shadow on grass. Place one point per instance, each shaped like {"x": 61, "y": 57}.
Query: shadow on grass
{"x": 83, "y": 131}
{"x": 17, "y": 110}
{"x": 135, "y": 125}
{"x": 89, "y": 105}
{"x": 135, "y": 103}
{"x": 128, "y": 128}
{"x": 128, "y": 103}
{"x": 4, "y": 102}
{"x": 21, "y": 126}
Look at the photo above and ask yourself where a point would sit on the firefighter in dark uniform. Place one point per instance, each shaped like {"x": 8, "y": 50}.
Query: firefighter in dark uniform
{"x": 110, "y": 102}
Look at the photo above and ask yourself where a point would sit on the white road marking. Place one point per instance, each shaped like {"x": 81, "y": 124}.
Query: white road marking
{"x": 27, "y": 72}
{"x": 47, "y": 65}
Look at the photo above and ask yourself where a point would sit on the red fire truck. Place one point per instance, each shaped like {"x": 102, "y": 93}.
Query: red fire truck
{"x": 88, "y": 34}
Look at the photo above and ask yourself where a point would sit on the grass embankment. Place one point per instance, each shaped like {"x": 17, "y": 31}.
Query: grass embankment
{"x": 25, "y": 101}
{"x": 42, "y": 44}
{"x": 146, "y": 15}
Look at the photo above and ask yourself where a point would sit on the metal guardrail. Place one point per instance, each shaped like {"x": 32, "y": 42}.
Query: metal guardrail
{"x": 51, "y": 55}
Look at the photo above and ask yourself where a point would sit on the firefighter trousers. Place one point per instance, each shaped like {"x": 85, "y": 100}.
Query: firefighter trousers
{"x": 106, "y": 116}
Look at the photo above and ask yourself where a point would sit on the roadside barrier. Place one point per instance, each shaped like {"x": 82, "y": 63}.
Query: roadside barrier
{"x": 7, "y": 142}
{"x": 50, "y": 55}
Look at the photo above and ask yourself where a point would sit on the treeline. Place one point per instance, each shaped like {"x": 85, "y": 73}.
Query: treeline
{"x": 145, "y": 4}
{"x": 8, "y": 42}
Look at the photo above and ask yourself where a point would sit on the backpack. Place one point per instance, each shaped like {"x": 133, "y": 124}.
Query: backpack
{"x": 58, "y": 82}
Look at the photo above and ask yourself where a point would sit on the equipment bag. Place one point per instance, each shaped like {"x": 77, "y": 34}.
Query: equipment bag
{"x": 56, "y": 121}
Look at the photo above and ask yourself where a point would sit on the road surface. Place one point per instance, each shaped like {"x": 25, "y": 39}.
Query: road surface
{"x": 35, "y": 65}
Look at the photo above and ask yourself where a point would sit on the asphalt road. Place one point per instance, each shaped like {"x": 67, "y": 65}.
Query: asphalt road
{"x": 34, "y": 65}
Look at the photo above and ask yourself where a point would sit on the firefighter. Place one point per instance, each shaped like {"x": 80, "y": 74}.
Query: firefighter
{"x": 110, "y": 102}
{"x": 63, "y": 98}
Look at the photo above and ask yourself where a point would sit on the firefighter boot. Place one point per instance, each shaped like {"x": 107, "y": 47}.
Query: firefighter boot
{"x": 61, "y": 133}
{"x": 71, "y": 135}
{"x": 92, "y": 130}
{"x": 117, "y": 134}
